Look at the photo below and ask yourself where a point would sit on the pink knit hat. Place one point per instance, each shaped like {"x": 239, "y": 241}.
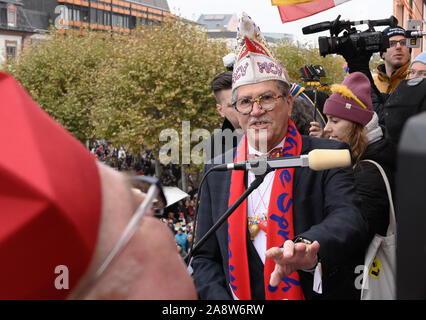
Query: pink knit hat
{"x": 351, "y": 100}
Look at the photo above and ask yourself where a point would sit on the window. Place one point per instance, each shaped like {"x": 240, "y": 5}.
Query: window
{"x": 84, "y": 14}
{"x": 11, "y": 49}
{"x": 117, "y": 20}
{"x": 76, "y": 15}
{"x": 100, "y": 19}
{"x": 3, "y": 16}
{"x": 11, "y": 16}
{"x": 93, "y": 15}
{"x": 107, "y": 20}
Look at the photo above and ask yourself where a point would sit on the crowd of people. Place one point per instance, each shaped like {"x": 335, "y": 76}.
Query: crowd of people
{"x": 179, "y": 217}
{"x": 143, "y": 163}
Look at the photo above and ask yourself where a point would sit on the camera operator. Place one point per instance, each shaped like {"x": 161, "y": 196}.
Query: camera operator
{"x": 406, "y": 97}
{"x": 396, "y": 61}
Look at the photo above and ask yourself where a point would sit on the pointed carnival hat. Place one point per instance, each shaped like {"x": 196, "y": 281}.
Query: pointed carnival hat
{"x": 50, "y": 201}
{"x": 254, "y": 62}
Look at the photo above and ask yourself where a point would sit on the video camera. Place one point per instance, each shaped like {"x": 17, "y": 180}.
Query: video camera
{"x": 312, "y": 73}
{"x": 352, "y": 41}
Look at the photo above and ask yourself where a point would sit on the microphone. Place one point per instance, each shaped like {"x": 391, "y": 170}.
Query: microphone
{"x": 318, "y": 27}
{"x": 317, "y": 159}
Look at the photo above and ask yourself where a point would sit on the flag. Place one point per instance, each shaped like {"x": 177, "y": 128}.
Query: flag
{"x": 289, "y": 2}
{"x": 295, "y": 12}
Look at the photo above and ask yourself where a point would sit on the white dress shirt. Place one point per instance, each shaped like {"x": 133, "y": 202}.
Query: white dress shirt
{"x": 258, "y": 201}
{"x": 257, "y": 205}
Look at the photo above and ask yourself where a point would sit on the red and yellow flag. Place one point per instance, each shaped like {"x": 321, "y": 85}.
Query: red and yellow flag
{"x": 289, "y": 2}
{"x": 292, "y": 10}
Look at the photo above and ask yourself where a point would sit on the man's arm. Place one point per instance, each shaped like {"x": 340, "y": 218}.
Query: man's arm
{"x": 342, "y": 233}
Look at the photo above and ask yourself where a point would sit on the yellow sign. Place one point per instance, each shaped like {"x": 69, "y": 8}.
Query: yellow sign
{"x": 376, "y": 268}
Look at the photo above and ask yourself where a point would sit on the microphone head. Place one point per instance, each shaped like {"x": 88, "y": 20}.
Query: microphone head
{"x": 324, "y": 159}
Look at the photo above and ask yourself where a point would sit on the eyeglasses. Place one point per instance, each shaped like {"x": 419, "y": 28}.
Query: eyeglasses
{"x": 154, "y": 199}
{"x": 420, "y": 73}
{"x": 267, "y": 102}
{"x": 402, "y": 43}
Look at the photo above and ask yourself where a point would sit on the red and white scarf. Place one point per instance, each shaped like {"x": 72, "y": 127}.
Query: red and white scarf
{"x": 279, "y": 227}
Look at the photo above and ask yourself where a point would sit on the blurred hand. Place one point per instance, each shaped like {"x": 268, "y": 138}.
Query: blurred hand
{"x": 316, "y": 130}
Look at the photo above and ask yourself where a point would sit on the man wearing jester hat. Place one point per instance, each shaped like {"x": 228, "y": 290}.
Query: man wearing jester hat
{"x": 300, "y": 234}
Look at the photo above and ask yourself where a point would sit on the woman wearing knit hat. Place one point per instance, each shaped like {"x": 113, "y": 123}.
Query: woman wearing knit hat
{"x": 351, "y": 120}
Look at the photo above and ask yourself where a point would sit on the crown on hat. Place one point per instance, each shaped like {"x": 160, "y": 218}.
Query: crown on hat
{"x": 250, "y": 39}
{"x": 347, "y": 93}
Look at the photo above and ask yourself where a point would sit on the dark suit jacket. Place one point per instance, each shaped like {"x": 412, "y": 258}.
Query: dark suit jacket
{"x": 325, "y": 209}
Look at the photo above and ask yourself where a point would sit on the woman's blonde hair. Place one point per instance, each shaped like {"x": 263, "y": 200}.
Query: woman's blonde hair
{"x": 357, "y": 140}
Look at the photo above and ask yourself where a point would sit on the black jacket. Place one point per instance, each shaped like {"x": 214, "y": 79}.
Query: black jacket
{"x": 407, "y": 100}
{"x": 222, "y": 140}
{"x": 371, "y": 188}
{"x": 326, "y": 209}
{"x": 393, "y": 110}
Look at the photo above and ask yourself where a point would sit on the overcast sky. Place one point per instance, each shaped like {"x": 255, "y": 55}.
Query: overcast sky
{"x": 267, "y": 17}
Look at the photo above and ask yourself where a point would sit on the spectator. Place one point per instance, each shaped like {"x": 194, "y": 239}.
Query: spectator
{"x": 418, "y": 67}
{"x": 351, "y": 120}
{"x": 121, "y": 154}
{"x": 302, "y": 115}
{"x": 228, "y": 137}
{"x": 181, "y": 238}
{"x": 180, "y": 250}
{"x": 189, "y": 242}
{"x": 396, "y": 61}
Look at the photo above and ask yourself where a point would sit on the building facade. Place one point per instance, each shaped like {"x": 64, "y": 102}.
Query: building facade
{"x": 223, "y": 27}
{"x": 23, "y": 22}
{"x": 17, "y": 27}
{"x": 108, "y": 15}
{"x": 405, "y": 10}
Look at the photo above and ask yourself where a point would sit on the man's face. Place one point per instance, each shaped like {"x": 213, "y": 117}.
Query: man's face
{"x": 226, "y": 109}
{"x": 265, "y": 127}
{"x": 417, "y": 70}
{"x": 396, "y": 55}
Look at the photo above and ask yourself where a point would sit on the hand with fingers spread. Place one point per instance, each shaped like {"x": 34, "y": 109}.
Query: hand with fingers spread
{"x": 291, "y": 257}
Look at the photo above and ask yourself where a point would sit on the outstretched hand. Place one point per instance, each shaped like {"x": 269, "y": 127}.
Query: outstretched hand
{"x": 291, "y": 257}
